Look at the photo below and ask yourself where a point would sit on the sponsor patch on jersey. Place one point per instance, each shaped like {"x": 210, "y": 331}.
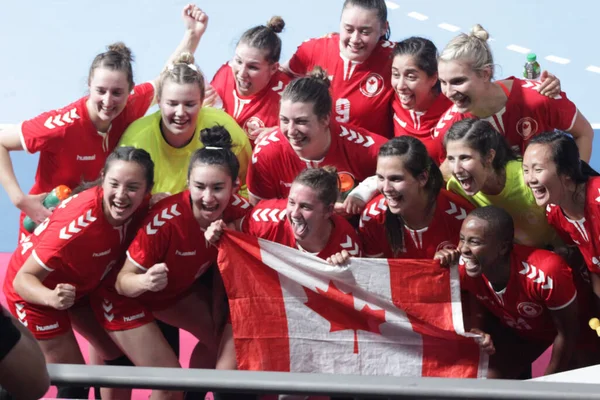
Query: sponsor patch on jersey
{"x": 372, "y": 85}
{"x": 529, "y": 310}
{"x": 446, "y": 245}
{"x": 527, "y": 127}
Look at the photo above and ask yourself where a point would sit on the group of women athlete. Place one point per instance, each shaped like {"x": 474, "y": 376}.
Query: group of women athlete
{"x": 410, "y": 152}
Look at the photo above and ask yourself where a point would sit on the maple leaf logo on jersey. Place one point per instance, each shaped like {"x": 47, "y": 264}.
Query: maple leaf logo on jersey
{"x": 529, "y": 310}
{"x": 527, "y": 127}
{"x": 253, "y": 123}
{"x": 338, "y": 308}
{"x": 372, "y": 85}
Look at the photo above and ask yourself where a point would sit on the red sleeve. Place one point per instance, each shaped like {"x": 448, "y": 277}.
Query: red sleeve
{"x": 372, "y": 229}
{"x": 558, "y": 289}
{"x": 219, "y": 81}
{"x": 139, "y": 102}
{"x": 560, "y": 111}
{"x": 262, "y": 176}
{"x": 554, "y": 219}
{"x": 265, "y": 218}
{"x": 47, "y": 130}
{"x": 151, "y": 242}
{"x": 302, "y": 60}
{"x": 238, "y": 208}
{"x": 346, "y": 239}
{"x": 446, "y": 121}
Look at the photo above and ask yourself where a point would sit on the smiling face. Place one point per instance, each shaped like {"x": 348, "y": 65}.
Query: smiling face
{"x": 179, "y": 107}
{"x": 360, "y": 31}
{"x": 251, "y": 71}
{"x": 211, "y": 187}
{"x": 124, "y": 186}
{"x": 306, "y": 213}
{"x": 412, "y": 85}
{"x": 463, "y": 86}
{"x": 468, "y": 166}
{"x": 307, "y": 133}
{"x": 480, "y": 250}
{"x": 401, "y": 189}
{"x": 109, "y": 91}
{"x": 541, "y": 175}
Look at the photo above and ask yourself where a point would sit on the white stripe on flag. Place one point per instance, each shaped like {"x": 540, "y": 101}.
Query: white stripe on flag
{"x": 397, "y": 350}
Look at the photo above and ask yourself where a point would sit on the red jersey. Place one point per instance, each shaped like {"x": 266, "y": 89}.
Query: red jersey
{"x": 77, "y": 244}
{"x": 526, "y": 114}
{"x": 443, "y": 231}
{"x": 268, "y": 221}
{"x": 585, "y": 233}
{"x": 361, "y": 91}
{"x": 275, "y": 165}
{"x": 71, "y": 149}
{"x": 170, "y": 234}
{"x": 540, "y": 282}
{"x": 250, "y": 112}
{"x": 421, "y": 124}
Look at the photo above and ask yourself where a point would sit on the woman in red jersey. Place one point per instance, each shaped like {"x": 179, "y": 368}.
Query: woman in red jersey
{"x": 308, "y": 137}
{"x": 413, "y": 217}
{"x": 54, "y": 269}
{"x": 359, "y": 65}
{"x": 514, "y": 106}
{"x": 75, "y": 140}
{"x": 249, "y": 86}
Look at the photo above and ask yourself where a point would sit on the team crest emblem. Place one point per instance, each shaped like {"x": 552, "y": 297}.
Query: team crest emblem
{"x": 527, "y": 127}
{"x": 252, "y": 124}
{"x": 529, "y": 310}
{"x": 447, "y": 245}
{"x": 372, "y": 85}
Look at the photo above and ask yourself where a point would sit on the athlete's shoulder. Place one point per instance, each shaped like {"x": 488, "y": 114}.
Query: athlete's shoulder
{"x": 167, "y": 212}
{"x": 270, "y": 147}
{"x": 374, "y": 212}
{"x": 447, "y": 119}
{"x": 269, "y": 211}
{"x": 454, "y": 204}
{"x": 72, "y": 116}
{"x": 141, "y": 130}
{"x": 352, "y": 136}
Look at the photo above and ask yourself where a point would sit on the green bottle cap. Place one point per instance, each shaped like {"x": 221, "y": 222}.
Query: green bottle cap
{"x": 29, "y": 225}
{"x": 531, "y": 57}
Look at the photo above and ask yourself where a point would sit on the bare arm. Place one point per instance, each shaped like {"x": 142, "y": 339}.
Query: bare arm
{"x": 132, "y": 281}
{"x": 583, "y": 133}
{"x": 23, "y": 370}
{"x": 28, "y": 284}
{"x": 10, "y": 140}
{"x": 566, "y": 322}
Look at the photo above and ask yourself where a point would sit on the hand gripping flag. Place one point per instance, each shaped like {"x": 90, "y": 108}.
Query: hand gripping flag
{"x": 292, "y": 311}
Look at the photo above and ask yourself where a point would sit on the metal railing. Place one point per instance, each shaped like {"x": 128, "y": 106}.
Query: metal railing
{"x": 315, "y": 384}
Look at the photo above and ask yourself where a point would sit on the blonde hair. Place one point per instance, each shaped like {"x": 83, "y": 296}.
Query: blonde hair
{"x": 182, "y": 71}
{"x": 472, "y": 48}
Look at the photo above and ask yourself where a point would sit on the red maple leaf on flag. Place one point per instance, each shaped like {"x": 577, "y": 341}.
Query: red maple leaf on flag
{"x": 338, "y": 308}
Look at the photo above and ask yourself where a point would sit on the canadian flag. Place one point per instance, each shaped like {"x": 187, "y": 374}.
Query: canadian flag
{"x": 291, "y": 311}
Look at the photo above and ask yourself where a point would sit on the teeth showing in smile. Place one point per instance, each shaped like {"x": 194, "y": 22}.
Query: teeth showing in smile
{"x": 210, "y": 209}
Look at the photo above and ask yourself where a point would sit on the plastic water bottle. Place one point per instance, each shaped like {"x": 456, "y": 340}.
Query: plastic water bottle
{"x": 51, "y": 200}
{"x": 532, "y": 69}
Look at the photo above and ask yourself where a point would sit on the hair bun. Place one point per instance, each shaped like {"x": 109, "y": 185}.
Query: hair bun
{"x": 216, "y": 136}
{"x": 276, "y": 24}
{"x": 185, "y": 58}
{"x": 480, "y": 33}
{"x": 119, "y": 47}
{"x": 319, "y": 74}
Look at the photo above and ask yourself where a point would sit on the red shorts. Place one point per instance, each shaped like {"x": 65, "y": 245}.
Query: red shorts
{"x": 116, "y": 312}
{"x": 43, "y": 322}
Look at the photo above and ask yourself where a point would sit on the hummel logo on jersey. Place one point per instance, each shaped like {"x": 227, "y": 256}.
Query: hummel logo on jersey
{"x": 77, "y": 225}
{"x": 351, "y": 247}
{"x": 46, "y": 328}
{"x": 61, "y": 120}
{"x": 86, "y": 158}
{"x": 353, "y": 136}
{"x": 240, "y": 201}
{"x": 268, "y": 214}
{"x": 263, "y": 142}
{"x": 536, "y": 275}
{"x": 134, "y": 317}
{"x": 374, "y": 210}
{"x": 159, "y": 219}
{"x": 459, "y": 211}
{"x": 104, "y": 253}
{"x": 442, "y": 122}
{"x": 185, "y": 253}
